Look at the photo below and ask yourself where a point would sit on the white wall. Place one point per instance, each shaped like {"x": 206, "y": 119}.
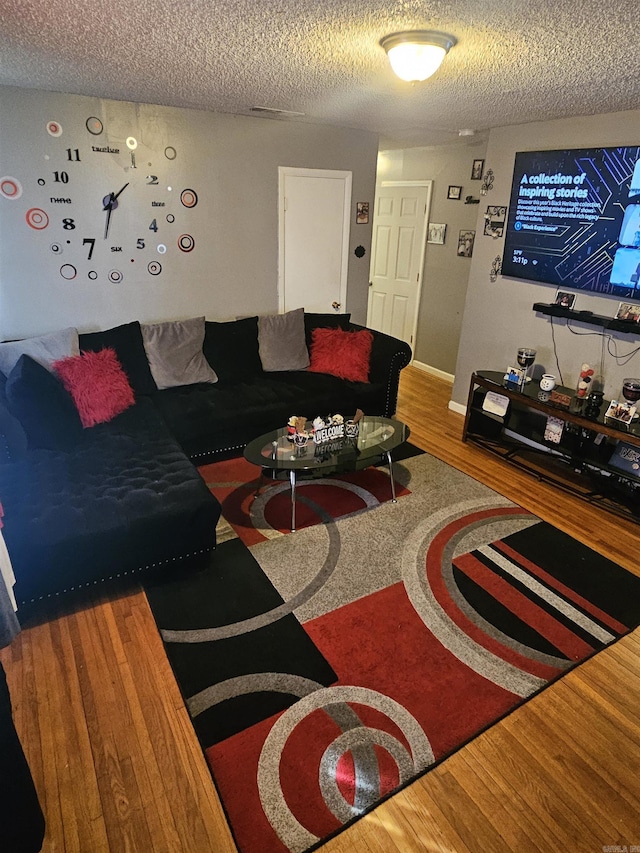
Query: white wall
{"x": 232, "y": 163}
{"x": 445, "y": 273}
{"x": 498, "y": 317}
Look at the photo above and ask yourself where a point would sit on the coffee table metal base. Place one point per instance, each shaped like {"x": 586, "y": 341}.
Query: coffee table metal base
{"x": 293, "y": 481}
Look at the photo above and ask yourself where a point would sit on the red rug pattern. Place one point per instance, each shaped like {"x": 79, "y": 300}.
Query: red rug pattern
{"x": 234, "y": 483}
{"x": 364, "y": 646}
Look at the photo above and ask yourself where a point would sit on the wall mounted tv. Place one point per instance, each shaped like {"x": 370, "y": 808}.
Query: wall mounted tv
{"x": 574, "y": 220}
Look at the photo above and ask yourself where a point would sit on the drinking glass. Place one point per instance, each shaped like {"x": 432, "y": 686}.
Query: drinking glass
{"x": 526, "y": 358}
{"x": 631, "y": 390}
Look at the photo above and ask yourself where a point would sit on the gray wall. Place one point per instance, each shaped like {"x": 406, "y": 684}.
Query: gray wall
{"x": 445, "y": 274}
{"x": 232, "y": 163}
{"x": 498, "y": 317}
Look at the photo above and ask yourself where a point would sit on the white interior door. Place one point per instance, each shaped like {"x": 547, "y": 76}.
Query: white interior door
{"x": 401, "y": 213}
{"x": 314, "y": 216}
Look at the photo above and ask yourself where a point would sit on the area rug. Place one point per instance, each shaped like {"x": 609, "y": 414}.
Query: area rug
{"x": 326, "y": 669}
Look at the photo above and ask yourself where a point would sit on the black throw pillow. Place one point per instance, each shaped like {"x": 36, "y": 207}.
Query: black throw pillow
{"x": 43, "y": 406}
{"x": 127, "y": 341}
{"x": 324, "y": 321}
{"x": 232, "y": 349}
{"x": 13, "y": 439}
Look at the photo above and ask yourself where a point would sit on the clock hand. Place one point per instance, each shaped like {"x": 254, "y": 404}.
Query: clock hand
{"x": 109, "y": 204}
{"x": 109, "y": 201}
{"x": 114, "y": 197}
{"x": 106, "y": 225}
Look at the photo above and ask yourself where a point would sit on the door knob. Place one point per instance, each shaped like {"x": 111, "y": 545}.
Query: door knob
{"x": 335, "y": 306}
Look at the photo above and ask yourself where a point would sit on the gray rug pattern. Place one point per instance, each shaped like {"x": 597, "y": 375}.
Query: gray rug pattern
{"x": 362, "y": 553}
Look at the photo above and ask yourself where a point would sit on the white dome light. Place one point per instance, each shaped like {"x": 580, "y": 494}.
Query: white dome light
{"x": 416, "y": 55}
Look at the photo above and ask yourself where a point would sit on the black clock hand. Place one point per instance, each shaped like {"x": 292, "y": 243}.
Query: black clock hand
{"x": 110, "y": 204}
{"x": 114, "y": 197}
{"x": 108, "y": 208}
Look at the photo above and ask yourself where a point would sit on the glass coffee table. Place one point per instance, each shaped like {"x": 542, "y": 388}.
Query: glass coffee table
{"x": 276, "y": 454}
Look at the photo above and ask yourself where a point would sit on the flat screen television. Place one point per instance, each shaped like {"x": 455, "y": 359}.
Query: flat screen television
{"x": 574, "y": 220}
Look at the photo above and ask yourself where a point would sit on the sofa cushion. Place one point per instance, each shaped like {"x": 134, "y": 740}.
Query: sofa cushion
{"x": 324, "y": 321}
{"x": 282, "y": 341}
{"x": 45, "y": 349}
{"x": 98, "y": 385}
{"x": 343, "y": 354}
{"x": 232, "y": 349}
{"x": 174, "y": 350}
{"x": 13, "y": 439}
{"x": 42, "y": 405}
{"x": 212, "y": 419}
{"x": 127, "y": 341}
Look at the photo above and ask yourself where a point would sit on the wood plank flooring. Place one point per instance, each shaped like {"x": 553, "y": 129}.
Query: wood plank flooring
{"x": 118, "y": 767}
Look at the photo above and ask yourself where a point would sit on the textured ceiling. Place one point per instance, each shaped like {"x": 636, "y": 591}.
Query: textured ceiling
{"x": 516, "y": 61}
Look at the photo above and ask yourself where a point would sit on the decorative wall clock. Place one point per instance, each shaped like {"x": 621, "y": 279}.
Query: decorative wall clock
{"x": 108, "y": 205}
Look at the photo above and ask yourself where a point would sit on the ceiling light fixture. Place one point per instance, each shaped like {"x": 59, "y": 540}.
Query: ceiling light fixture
{"x": 416, "y": 55}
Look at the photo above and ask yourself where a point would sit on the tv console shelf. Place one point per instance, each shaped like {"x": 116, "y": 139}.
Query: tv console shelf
{"x": 627, "y": 327}
{"x": 580, "y": 463}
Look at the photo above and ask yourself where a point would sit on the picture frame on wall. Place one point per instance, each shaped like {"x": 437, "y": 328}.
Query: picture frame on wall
{"x": 477, "y": 169}
{"x": 362, "y": 213}
{"x": 466, "y": 240}
{"x": 436, "y": 232}
{"x": 494, "y": 220}
{"x": 454, "y": 192}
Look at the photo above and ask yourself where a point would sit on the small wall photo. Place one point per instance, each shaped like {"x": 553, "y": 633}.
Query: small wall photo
{"x": 437, "y": 232}
{"x": 362, "y": 212}
{"x": 494, "y": 220}
{"x": 477, "y": 169}
{"x": 466, "y": 240}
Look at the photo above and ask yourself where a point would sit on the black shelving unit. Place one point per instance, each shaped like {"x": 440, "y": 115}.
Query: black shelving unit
{"x": 578, "y": 464}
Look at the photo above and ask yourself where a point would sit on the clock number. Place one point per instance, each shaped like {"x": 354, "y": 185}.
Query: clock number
{"x": 92, "y": 244}
{"x": 152, "y": 179}
{"x": 73, "y": 154}
{"x": 68, "y": 224}
{"x": 153, "y": 226}
{"x": 61, "y": 177}
{"x": 140, "y": 244}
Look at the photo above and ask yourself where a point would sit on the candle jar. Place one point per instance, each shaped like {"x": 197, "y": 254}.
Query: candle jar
{"x": 547, "y": 382}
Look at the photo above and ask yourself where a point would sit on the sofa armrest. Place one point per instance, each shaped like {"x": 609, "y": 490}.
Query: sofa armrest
{"x": 388, "y": 357}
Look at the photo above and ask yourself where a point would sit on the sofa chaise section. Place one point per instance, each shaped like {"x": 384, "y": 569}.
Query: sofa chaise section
{"x": 125, "y": 500}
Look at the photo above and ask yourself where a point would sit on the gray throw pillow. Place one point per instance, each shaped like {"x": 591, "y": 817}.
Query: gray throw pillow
{"x": 45, "y": 349}
{"x": 282, "y": 341}
{"x": 174, "y": 352}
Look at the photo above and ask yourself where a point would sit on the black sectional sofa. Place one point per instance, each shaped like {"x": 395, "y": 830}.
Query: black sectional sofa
{"x": 125, "y": 496}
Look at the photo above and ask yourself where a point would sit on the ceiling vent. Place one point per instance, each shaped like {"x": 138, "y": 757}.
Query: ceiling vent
{"x": 272, "y": 112}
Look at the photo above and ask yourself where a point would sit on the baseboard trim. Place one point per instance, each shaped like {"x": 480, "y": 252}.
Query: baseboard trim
{"x": 457, "y": 407}
{"x": 434, "y": 371}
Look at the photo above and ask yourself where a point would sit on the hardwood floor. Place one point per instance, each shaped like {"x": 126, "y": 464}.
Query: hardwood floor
{"x": 118, "y": 767}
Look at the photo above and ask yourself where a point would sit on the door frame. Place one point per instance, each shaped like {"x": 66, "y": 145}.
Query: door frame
{"x": 423, "y": 246}
{"x": 347, "y": 178}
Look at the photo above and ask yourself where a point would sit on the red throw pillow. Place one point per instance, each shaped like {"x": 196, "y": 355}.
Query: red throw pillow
{"x": 98, "y": 385}
{"x": 342, "y": 354}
